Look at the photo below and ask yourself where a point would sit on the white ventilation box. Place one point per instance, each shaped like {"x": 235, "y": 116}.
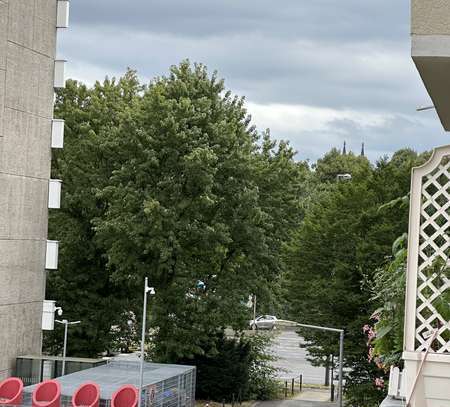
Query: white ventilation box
{"x": 51, "y": 255}
{"x": 57, "y": 133}
{"x": 48, "y": 315}
{"x": 62, "y": 16}
{"x": 54, "y": 193}
{"x": 60, "y": 76}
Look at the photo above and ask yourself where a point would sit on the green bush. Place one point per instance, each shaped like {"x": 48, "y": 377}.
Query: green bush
{"x": 235, "y": 368}
{"x": 262, "y": 383}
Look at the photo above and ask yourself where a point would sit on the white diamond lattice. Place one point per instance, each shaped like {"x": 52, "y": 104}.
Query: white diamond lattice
{"x": 433, "y": 243}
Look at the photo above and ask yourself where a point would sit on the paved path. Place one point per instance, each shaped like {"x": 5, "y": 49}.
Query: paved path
{"x": 308, "y": 398}
{"x": 294, "y": 403}
{"x": 292, "y": 359}
{"x": 314, "y": 395}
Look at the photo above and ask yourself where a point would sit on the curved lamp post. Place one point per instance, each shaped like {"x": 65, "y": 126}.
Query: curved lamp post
{"x": 151, "y": 291}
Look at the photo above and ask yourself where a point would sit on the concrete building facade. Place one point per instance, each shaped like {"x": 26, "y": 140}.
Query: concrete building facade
{"x": 27, "y": 61}
{"x": 430, "y": 29}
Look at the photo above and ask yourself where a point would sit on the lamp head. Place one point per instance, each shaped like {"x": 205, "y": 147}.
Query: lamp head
{"x": 201, "y": 285}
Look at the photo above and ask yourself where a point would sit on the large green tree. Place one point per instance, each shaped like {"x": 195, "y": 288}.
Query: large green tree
{"x": 198, "y": 200}
{"x": 172, "y": 182}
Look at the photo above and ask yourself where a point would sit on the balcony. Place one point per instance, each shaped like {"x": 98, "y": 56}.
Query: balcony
{"x": 430, "y": 28}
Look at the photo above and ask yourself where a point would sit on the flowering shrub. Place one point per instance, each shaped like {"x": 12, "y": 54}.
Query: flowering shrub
{"x": 385, "y": 338}
{"x": 384, "y": 331}
{"x": 369, "y": 331}
{"x": 379, "y": 383}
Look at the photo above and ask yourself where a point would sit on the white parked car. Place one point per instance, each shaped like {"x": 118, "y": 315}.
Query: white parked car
{"x": 264, "y": 322}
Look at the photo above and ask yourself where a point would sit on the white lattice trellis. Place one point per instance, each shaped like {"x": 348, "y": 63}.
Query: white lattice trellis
{"x": 428, "y": 280}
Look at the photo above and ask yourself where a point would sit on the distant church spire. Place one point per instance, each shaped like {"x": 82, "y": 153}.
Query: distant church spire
{"x": 344, "y": 150}
{"x": 363, "y": 153}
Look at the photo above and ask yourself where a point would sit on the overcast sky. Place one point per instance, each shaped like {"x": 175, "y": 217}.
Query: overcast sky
{"x": 316, "y": 72}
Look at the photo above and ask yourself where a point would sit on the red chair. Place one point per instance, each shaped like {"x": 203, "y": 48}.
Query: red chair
{"x": 47, "y": 394}
{"x": 11, "y": 391}
{"x": 126, "y": 396}
{"x": 87, "y": 395}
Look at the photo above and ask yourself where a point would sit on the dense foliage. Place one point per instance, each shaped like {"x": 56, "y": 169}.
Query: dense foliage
{"x": 83, "y": 284}
{"x": 236, "y": 369}
{"x": 335, "y": 256}
{"x": 171, "y": 181}
{"x": 198, "y": 200}
{"x": 389, "y": 291}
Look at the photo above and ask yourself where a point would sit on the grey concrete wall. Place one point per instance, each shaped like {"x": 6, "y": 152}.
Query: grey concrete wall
{"x": 430, "y": 17}
{"x": 27, "y": 53}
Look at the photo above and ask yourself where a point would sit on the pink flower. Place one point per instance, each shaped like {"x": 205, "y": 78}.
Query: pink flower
{"x": 371, "y": 334}
{"x": 379, "y": 363}
{"x": 379, "y": 382}
{"x": 370, "y": 354}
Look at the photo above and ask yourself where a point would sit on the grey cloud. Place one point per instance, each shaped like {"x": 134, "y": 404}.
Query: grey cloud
{"x": 400, "y": 132}
{"x": 376, "y": 75}
{"x": 330, "y": 19}
{"x": 349, "y": 54}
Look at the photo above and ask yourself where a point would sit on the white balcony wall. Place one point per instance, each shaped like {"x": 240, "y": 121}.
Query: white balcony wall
{"x": 48, "y": 315}
{"x": 428, "y": 374}
{"x": 54, "y": 193}
{"x": 57, "y": 133}
{"x": 60, "y": 76}
{"x": 397, "y": 383}
{"x": 51, "y": 256}
{"x": 62, "y": 17}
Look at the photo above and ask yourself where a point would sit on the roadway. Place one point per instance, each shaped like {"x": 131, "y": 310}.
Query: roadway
{"x": 292, "y": 360}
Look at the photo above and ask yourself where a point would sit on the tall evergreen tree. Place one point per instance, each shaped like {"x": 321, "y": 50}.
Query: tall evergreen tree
{"x": 335, "y": 256}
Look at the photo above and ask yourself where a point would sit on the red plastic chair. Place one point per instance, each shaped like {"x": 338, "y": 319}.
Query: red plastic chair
{"x": 47, "y": 394}
{"x": 11, "y": 391}
{"x": 126, "y": 396}
{"x": 87, "y": 395}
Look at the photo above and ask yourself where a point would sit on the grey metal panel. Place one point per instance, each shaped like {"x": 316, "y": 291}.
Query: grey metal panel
{"x": 163, "y": 379}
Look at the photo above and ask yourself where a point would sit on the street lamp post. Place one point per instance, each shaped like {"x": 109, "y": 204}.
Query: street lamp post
{"x": 341, "y": 365}
{"x": 254, "y": 312}
{"x": 147, "y": 290}
{"x": 66, "y": 324}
